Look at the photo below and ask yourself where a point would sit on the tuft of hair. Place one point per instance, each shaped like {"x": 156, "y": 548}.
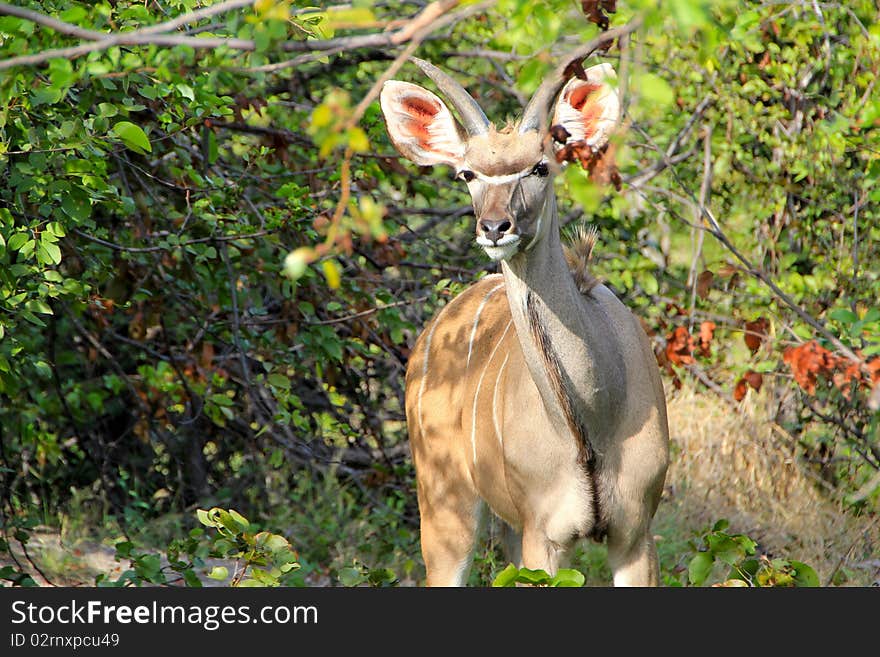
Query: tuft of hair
{"x": 578, "y": 253}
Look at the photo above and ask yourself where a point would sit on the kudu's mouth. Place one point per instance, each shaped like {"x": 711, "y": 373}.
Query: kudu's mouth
{"x": 502, "y": 249}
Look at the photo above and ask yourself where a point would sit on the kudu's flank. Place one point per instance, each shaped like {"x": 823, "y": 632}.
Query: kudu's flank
{"x": 535, "y": 391}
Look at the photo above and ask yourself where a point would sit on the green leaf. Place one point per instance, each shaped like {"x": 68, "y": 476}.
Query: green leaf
{"x": 533, "y": 576}
{"x": 17, "y": 241}
{"x": 871, "y": 316}
{"x": 48, "y": 252}
{"x": 804, "y": 575}
{"x": 132, "y": 136}
{"x": 568, "y": 577}
{"x": 240, "y": 519}
{"x": 205, "y": 518}
{"x": 351, "y": 576}
{"x": 191, "y": 579}
{"x": 699, "y": 568}
{"x": 219, "y": 573}
{"x": 655, "y": 91}
{"x": 843, "y": 316}
{"x": 39, "y": 306}
{"x": 56, "y": 229}
{"x": 357, "y": 140}
{"x": 279, "y": 381}
{"x": 186, "y": 91}
{"x": 76, "y": 204}
{"x": 720, "y": 525}
{"x": 507, "y": 577}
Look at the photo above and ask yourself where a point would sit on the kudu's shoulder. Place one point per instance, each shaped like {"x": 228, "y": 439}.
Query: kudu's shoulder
{"x": 485, "y": 300}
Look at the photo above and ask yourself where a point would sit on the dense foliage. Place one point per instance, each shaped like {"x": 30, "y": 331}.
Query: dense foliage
{"x": 213, "y": 263}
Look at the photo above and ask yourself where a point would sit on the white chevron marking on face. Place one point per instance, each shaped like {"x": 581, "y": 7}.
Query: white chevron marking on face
{"x": 503, "y": 179}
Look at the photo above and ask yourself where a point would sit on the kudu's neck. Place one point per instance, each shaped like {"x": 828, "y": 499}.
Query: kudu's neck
{"x": 567, "y": 354}
{"x": 541, "y": 268}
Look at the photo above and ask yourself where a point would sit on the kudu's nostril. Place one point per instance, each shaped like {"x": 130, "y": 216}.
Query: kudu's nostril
{"x": 493, "y": 229}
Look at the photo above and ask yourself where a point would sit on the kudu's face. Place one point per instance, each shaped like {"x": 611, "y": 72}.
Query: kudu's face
{"x": 509, "y": 173}
{"x": 509, "y": 178}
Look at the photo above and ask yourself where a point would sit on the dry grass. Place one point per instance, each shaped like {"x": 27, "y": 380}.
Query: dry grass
{"x": 733, "y": 465}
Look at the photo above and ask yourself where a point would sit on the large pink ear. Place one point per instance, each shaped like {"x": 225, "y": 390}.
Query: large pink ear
{"x": 589, "y": 110}
{"x": 420, "y": 125}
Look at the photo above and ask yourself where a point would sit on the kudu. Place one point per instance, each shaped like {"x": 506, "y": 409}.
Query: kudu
{"x": 534, "y": 391}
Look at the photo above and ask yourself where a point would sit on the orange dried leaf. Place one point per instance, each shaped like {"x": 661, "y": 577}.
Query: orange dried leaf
{"x": 739, "y": 391}
{"x": 707, "y": 332}
{"x": 680, "y": 347}
{"x": 807, "y": 362}
{"x": 873, "y": 366}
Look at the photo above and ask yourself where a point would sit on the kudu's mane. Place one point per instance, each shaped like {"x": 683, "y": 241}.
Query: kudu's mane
{"x": 578, "y": 255}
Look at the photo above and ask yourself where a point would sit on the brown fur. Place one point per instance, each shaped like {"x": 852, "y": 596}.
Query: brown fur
{"x": 502, "y": 152}
{"x": 579, "y": 253}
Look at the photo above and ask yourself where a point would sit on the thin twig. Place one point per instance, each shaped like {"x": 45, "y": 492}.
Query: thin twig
{"x": 705, "y": 188}
{"x": 364, "y": 313}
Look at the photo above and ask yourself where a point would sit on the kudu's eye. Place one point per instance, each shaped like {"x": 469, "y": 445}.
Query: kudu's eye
{"x": 466, "y": 175}
{"x": 541, "y": 170}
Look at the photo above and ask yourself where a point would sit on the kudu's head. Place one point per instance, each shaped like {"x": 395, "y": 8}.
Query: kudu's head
{"x": 509, "y": 172}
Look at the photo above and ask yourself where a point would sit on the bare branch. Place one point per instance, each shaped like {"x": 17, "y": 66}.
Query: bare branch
{"x": 197, "y": 15}
{"x": 364, "y": 313}
{"x": 158, "y": 35}
{"x": 127, "y": 39}
{"x": 52, "y": 23}
{"x": 431, "y": 18}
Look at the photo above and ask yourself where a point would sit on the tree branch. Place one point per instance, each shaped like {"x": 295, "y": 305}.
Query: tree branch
{"x": 159, "y": 34}
{"x": 52, "y": 23}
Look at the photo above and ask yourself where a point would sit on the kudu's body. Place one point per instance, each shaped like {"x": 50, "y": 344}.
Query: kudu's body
{"x": 534, "y": 392}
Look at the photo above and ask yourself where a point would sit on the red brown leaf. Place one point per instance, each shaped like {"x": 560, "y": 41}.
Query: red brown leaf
{"x": 574, "y": 69}
{"x": 704, "y": 283}
{"x": 739, "y": 390}
{"x": 599, "y": 164}
{"x": 756, "y": 333}
{"x": 595, "y": 11}
{"x": 559, "y": 134}
{"x": 754, "y": 379}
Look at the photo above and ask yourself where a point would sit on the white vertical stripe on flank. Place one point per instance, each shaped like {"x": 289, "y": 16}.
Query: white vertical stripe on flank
{"x": 477, "y": 393}
{"x": 495, "y": 401}
{"x": 477, "y": 320}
